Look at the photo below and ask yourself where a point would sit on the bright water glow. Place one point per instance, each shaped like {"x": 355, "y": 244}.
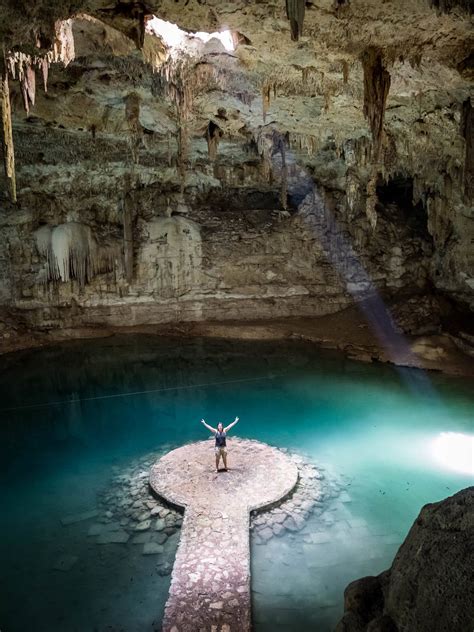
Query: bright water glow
{"x": 455, "y": 451}
{"x": 174, "y": 37}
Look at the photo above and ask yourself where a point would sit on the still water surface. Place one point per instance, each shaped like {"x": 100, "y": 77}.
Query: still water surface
{"x": 71, "y": 416}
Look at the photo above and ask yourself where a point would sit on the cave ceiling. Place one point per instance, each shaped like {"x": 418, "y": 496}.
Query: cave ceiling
{"x": 306, "y": 84}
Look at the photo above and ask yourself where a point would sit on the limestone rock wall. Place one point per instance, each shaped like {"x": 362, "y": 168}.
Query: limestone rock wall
{"x": 244, "y": 183}
{"x": 430, "y": 582}
{"x": 207, "y": 264}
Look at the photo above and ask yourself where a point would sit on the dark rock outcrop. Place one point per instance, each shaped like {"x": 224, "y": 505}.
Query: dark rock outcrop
{"x": 430, "y": 584}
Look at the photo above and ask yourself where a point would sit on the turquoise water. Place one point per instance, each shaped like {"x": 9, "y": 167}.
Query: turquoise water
{"x": 66, "y": 427}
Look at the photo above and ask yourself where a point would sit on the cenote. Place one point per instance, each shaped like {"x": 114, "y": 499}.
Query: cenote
{"x": 75, "y": 415}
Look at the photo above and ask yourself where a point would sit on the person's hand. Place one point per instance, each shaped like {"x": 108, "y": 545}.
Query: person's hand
{"x": 236, "y": 419}
{"x": 202, "y": 421}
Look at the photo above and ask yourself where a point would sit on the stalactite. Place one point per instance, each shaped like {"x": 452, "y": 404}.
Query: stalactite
{"x": 63, "y": 49}
{"x": 295, "y": 10}
{"x": 132, "y": 116}
{"x": 180, "y": 81}
{"x": 7, "y": 137}
{"x": 467, "y": 131}
{"x": 127, "y": 209}
{"x": 43, "y": 241}
{"x": 266, "y": 89}
{"x": 213, "y": 135}
{"x": 303, "y": 142}
{"x": 327, "y": 100}
{"x": 183, "y": 153}
{"x": 28, "y": 86}
{"x": 264, "y": 143}
{"x": 45, "y": 72}
{"x": 168, "y": 150}
{"x": 139, "y": 14}
{"x": 345, "y": 71}
{"x": 371, "y": 200}
{"x": 270, "y": 142}
{"x": 284, "y": 173}
{"x": 72, "y": 253}
{"x": 376, "y": 89}
{"x": 21, "y": 65}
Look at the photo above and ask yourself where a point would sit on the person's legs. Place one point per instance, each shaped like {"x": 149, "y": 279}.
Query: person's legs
{"x": 224, "y": 458}
{"x": 218, "y": 458}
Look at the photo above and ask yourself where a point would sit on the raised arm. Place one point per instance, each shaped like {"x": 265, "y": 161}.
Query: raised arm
{"x": 227, "y": 428}
{"x": 210, "y": 428}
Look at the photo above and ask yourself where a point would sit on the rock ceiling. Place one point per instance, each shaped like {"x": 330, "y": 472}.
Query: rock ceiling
{"x": 311, "y": 90}
{"x": 349, "y": 94}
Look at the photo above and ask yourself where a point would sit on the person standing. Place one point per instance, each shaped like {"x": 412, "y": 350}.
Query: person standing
{"x": 220, "y": 434}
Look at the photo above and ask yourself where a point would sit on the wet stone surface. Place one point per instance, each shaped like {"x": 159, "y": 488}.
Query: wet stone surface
{"x": 210, "y": 586}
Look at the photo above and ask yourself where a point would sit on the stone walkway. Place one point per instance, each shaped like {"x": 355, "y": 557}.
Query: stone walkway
{"x": 210, "y": 585}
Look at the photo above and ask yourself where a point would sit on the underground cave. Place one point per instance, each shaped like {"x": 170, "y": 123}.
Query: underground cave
{"x": 236, "y": 316}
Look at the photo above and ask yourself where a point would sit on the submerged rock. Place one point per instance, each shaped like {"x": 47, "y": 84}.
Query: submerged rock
{"x": 152, "y": 548}
{"x": 431, "y": 582}
{"x": 114, "y": 537}
{"x": 65, "y": 563}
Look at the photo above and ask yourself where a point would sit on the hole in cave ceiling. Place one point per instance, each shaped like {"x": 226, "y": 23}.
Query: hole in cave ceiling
{"x": 176, "y": 38}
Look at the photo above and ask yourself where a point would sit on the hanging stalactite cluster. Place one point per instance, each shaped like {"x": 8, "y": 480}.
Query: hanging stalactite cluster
{"x": 72, "y": 252}
{"x": 295, "y": 10}
{"x": 269, "y": 143}
{"x": 21, "y": 66}
{"x": 182, "y": 78}
{"x": 308, "y": 81}
{"x": 177, "y": 81}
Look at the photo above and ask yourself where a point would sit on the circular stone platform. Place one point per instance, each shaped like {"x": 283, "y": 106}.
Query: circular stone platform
{"x": 210, "y": 586}
{"x": 258, "y": 475}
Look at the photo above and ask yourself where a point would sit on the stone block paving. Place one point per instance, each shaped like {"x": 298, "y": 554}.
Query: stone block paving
{"x": 210, "y": 585}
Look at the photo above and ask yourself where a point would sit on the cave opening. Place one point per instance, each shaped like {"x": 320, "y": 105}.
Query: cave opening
{"x": 395, "y": 202}
{"x": 177, "y": 38}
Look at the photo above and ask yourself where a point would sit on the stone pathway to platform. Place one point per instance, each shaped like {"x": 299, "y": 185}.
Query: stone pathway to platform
{"x": 210, "y": 585}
